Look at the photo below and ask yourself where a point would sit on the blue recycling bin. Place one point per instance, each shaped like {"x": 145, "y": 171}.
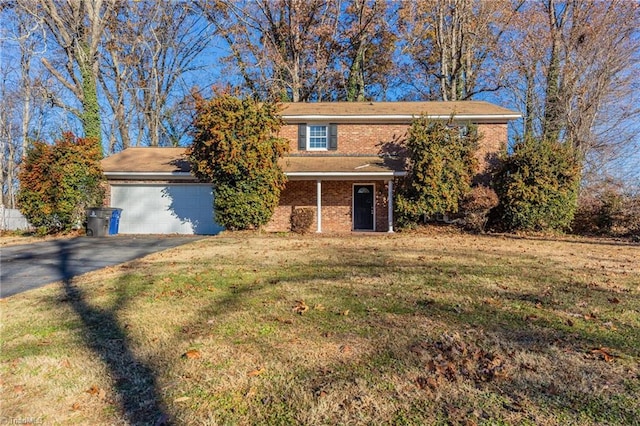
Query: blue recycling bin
{"x": 114, "y": 223}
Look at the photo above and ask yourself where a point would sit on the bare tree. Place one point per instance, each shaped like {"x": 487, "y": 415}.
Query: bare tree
{"x": 573, "y": 68}
{"x": 367, "y": 46}
{"x": 21, "y": 94}
{"x": 283, "y": 49}
{"x": 451, "y": 45}
{"x": 149, "y": 49}
{"x": 77, "y": 28}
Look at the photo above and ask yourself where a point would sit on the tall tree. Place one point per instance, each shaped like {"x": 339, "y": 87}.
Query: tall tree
{"x": 367, "y": 47}
{"x": 21, "y": 93}
{"x": 573, "y": 67}
{"x": 150, "y": 49}
{"x": 451, "y": 46}
{"x": 283, "y": 49}
{"x": 77, "y": 28}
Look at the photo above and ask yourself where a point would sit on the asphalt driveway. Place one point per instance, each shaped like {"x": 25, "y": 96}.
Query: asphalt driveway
{"x": 29, "y": 266}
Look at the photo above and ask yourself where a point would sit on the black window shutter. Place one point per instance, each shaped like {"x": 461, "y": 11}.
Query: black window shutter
{"x": 302, "y": 136}
{"x": 333, "y": 136}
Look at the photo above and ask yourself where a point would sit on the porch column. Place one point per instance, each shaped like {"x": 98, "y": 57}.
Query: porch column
{"x": 390, "y": 205}
{"x": 319, "y": 204}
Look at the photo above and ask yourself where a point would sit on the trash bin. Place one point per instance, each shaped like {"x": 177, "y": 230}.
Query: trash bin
{"x": 102, "y": 221}
{"x": 115, "y": 221}
{"x": 97, "y": 222}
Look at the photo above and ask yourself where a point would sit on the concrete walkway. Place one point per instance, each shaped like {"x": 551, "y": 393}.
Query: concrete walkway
{"x": 29, "y": 266}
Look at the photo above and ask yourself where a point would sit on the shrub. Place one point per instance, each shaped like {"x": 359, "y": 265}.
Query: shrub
{"x": 301, "y": 220}
{"x": 476, "y": 206}
{"x": 58, "y": 182}
{"x": 440, "y": 170}
{"x": 607, "y": 211}
{"x": 537, "y": 185}
{"x": 235, "y": 149}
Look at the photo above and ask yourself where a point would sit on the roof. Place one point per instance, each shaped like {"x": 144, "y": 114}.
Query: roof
{"x": 340, "y": 166}
{"x": 148, "y": 160}
{"x": 477, "y": 111}
{"x": 171, "y": 163}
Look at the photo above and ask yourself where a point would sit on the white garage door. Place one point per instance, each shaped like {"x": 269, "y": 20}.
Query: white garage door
{"x": 165, "y": 209}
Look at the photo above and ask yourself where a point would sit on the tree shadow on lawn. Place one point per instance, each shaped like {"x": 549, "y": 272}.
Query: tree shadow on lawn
{"x": 134, "y": 381}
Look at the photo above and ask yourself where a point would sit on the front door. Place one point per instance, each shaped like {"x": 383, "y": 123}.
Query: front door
{"x": 363, "y": 209}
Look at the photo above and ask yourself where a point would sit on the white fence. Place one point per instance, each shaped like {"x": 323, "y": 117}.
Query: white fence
{"x": 12, "y": 220}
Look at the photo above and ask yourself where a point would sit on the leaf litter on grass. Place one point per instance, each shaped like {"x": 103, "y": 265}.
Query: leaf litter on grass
{"x": 401, "y": 335}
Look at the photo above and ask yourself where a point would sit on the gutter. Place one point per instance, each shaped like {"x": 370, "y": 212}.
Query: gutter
{"x": 400, "y": 118}
{"x": 150, "y": 175}
{"x": 302, "y": 175}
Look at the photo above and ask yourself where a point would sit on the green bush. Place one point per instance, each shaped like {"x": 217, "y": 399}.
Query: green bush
{"x": 235, "y": 149}
{"x": 538, "y": 186}
{"x": 440, "y": 170}
{"x": 58, "y": 182}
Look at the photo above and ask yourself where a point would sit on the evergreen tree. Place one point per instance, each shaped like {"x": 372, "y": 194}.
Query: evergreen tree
{"x": 235, "y": 149}
{"x": 58, "y": 182}
{"x": 538, "y": 185}
{"x": 440, "y": 170}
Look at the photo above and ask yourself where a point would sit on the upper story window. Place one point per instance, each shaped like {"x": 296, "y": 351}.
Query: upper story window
{"x": 317, "y": 137}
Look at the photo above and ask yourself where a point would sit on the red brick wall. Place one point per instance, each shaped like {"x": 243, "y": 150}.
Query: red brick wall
{"x": 353, "y": 138}
{"x": 494, "y": 139}
{"x": 337, "y": 202}
{"x": 373, "y": 138}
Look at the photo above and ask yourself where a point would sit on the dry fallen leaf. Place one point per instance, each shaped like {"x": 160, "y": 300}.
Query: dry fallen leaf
{"x": 75, "y": 406}
{"x": 300, "y": 307}
{"x": 95, "y": 390}
{"x": 345, "y": 313}
{"x": 614, "y": 300}
{"x": 605, "y": 353}
{"x": 192, "y": 354}
{"x": 256, "y": 372}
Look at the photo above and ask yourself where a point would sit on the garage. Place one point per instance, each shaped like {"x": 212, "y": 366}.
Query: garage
{"x": 165, "y": 208}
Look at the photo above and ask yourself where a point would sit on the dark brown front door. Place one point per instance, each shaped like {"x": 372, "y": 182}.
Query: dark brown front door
{"x": 363, "y": 207}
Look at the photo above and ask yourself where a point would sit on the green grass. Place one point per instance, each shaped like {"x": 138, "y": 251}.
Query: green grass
{"x": 403, "y": 329}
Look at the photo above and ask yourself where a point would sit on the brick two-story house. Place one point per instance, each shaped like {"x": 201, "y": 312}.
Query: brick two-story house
{"x": 343, "y": 162}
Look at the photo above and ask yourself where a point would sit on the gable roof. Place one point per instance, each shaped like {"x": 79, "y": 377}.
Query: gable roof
{"x": 395, "y": 112}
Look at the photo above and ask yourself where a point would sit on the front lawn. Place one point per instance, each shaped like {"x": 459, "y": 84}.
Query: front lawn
{"x": 357, "y": 329}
